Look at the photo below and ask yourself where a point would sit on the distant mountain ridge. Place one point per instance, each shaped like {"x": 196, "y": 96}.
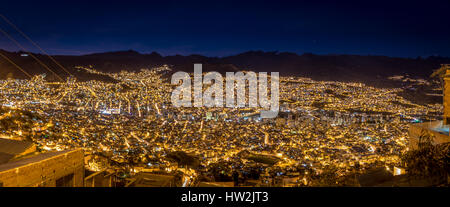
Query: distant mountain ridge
{"x": 372, "y": 70}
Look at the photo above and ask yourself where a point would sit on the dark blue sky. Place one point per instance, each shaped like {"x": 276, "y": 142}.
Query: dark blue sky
{"x": 220, "y": 28}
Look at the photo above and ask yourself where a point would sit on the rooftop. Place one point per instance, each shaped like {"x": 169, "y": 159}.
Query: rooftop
{"x": 14, "y": 147}
{"x": 37, "y": 158}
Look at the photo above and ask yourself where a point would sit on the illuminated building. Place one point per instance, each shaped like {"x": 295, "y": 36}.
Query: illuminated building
{"x": 438, "y": 129}
{"x": 52, "y": 169}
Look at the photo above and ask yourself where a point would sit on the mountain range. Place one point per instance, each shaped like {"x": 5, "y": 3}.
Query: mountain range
{"x": 372, "y": 70}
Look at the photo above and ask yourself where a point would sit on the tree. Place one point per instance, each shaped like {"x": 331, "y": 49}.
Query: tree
{"x": 429, "y": 161}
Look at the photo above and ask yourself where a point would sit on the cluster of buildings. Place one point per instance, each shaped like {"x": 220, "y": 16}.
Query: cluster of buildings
{"x": 128, "y": 132}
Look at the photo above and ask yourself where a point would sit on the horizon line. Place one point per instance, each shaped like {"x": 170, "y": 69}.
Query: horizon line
{"x": 224, "y": 56}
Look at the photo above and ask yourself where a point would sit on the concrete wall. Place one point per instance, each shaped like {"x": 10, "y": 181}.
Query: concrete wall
{"x": 45, "y": 172}
{"x": 415, "y": 130}
{"x": 446, "y": 100}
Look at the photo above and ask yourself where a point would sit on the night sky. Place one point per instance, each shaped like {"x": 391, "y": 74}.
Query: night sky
{"x": 392, "y": 28}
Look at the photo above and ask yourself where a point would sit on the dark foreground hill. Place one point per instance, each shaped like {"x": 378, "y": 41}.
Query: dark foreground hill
{"x": 372, "y": 70}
